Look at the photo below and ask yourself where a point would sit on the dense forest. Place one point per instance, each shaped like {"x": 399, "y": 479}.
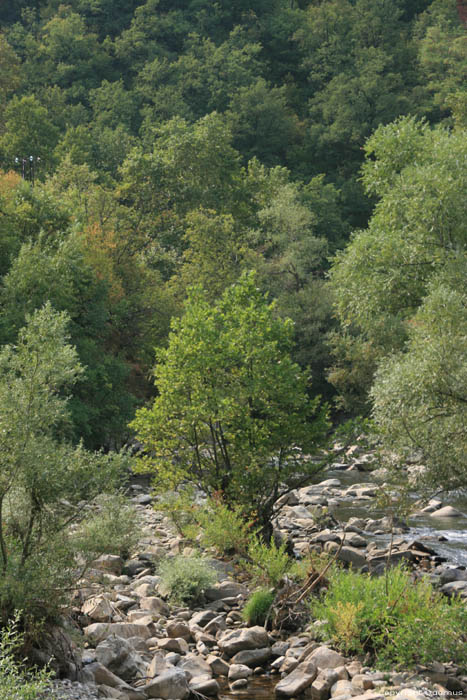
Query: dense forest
{"x": 267, "y": 199}
{"x": 146, "y": 146}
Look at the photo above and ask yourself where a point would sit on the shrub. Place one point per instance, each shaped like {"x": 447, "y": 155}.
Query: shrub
{"x": 114, "y": 529}
{"x": 257, "y": 607}
{"x": 185, "y": 578}
{"x": 394, "y": 619}
{"x": 46, "y": 484}
{"x": 267, "y": 563}
{"x": 182, "y": 510}
{"x": 225, "y": 528}
{"x": 314, "y": 562}
{"x": 17, "y": 682}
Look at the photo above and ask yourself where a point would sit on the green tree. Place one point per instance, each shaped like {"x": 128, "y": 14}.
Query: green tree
{"x": 217, "y": 252}
{"x": 44, "y": 481}
{"x": 28, "y": 130}
{"x": 262, "y": 123}
{"x": 57, "y": 271}
{"x": 420, "y": 394}
{"x": 419, "y": 175}
{"x": 443, "y": 58}
{"x": 232, "y": 415}
{"x": 9, "y": 71}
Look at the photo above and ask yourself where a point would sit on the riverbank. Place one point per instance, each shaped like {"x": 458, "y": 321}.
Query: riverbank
{"x": 136, "y": 645}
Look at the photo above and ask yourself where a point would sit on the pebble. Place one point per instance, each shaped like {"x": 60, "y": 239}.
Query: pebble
{"x": 70, "y": 690}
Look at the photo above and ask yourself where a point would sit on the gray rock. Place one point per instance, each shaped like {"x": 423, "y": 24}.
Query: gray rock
{"x": 203, "y": 686}
{"x": 226, "y": 589}
{"x": 252, "y": 657}
{"x": 321, "y": 686}
{"x": 362, "y": 682}
{"x": 170, "y": 685}
{"x": 279, "y": 648}
{"x": 234, "y": 641}
{"x": 193, "y": 665}
{"x": 157, "y": 666}
{"x": 237, "y": 671}
{"x": 98, "y": 608}
{"x": 175, "y": 629}
{"x": 218, "y": 666}
{"x": 178, "y": 645}
{"x": 297, "y": 681}
{"x": 119, "y": 656}
{"x": 452, "y": 574}
{"x": 347, "y": 554}
{"x": 324, "y": 657}
{"x": 447, "y": 512}
{"x": 342, "y": 687}
{"x": 393, "y": 559}
{"x": 202, "y": 618}
{"x": 99, "y": 631}
{"x": 455, "y": 588}
{"x": 154, "y": 604}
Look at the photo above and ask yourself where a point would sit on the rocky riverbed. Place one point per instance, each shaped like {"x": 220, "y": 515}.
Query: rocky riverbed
{"x": 135, "y": 645}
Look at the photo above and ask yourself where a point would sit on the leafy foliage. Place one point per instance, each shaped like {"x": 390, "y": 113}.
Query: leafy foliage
{"x": 232, "y": 410}
{"x": 185, "y": 578}
{"x": 224, "y": 528}
{"x": 257, "y": 607}
{"x": 267, "y": 563}
{"x": 396, "y": 620}
{"x": 44, "y": 480}
{"x": 17, "y": 682}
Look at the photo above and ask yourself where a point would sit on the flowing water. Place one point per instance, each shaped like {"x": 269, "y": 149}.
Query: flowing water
{"x": 453, "y": 547}
{"x": 260, "y": 688}
{"x": 447, "y": 536}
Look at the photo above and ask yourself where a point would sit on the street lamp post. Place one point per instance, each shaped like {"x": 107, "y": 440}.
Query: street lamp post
{"x": 28, "y": 173}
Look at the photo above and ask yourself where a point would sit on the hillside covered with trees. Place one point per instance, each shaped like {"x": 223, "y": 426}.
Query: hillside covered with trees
{"x": 264, "y": 198}
{"x": 146, "y": 146}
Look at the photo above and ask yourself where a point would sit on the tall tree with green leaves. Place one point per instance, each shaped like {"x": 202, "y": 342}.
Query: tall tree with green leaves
{"x": 379, "y": 281}
{"x": 399, "y": 290}
{"x": 232, "y": 415}
{"x": 44, "y": 480}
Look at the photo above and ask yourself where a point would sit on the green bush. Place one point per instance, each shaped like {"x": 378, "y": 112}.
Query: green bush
{"x": 267, "y": 564}
{"x": 185, "y": 578}
{"x": 225, "y": 528}
{"x": 114, "y": 529}
{"x": 257, "y": 607}
{"x": 16, "y": 681}
{"x": 182, "y": 510}
{"x": 397, "y": 621}
{"x": 47, "y": 485}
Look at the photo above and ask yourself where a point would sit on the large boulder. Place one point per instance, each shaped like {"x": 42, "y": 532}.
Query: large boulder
{"x": 226, "y": 589}
{"x": 98, "y": 609}
{"x": 119, "y": 656}
{"x": 177, "y": 645}
{"x": 324, "y": 657}
{"x": 349, "y": 555}
{"x": 297, "y": 681}
{"x": 447, "y": 512}
{"x": 237, "y": 671}
{"x": 170, "y": 685}
{"x": 155, "y": 605}
{"x": 252, "y": 657}
{"x": 193, "y": 665}
{"x": 176, "y": 628}
{"x": 99, "y": 631}
{"x": 233, "y": 641}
